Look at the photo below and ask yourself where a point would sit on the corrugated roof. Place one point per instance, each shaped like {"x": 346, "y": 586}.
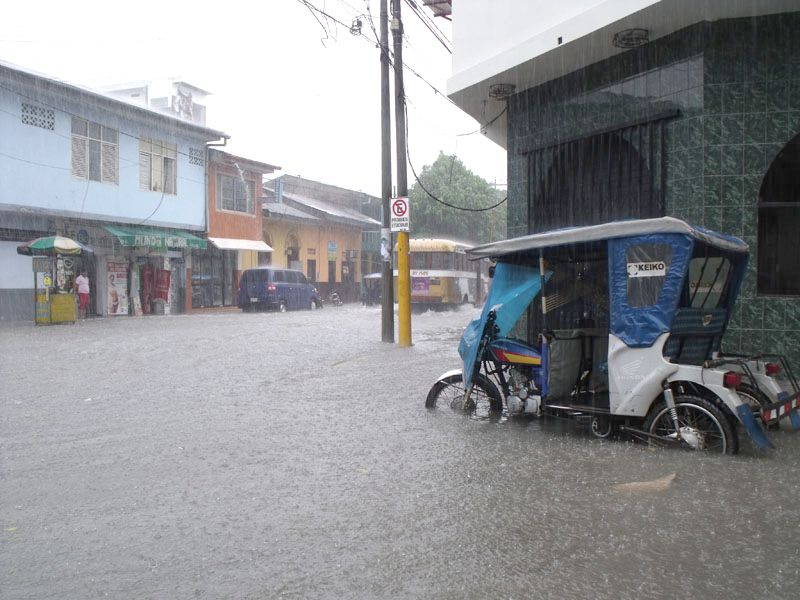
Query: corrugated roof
{"x": 336, "y": 212}
{"x": 284, "y": 210}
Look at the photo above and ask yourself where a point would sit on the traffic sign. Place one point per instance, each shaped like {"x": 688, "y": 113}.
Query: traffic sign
{"x": 401, "y": 213}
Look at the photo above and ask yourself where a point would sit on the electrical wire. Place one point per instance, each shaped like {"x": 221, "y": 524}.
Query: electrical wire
{"x": 422, "y": 185}
{"x": 438, "y": 35}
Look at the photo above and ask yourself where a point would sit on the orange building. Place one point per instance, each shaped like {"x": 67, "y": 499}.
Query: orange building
{"x": 235, "y": 230}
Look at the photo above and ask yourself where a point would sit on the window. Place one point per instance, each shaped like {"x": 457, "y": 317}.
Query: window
{"x": 236, "y": 194}
{"x": 708, "y": 278}
{"x": 648, "y": 266}
{"x": 157, "y": 166}
{"x": 95, "y": 151}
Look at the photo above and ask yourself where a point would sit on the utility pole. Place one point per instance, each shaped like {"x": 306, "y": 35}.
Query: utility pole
{"x": 403, "y": 269}
{"x": 387, "y": 247}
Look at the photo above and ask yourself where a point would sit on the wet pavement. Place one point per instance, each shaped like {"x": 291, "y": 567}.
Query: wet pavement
{"x": 290, "y": 456}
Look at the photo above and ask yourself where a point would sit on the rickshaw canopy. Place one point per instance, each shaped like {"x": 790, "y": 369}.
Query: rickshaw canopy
{"x": 648, "y": 263}
{"x": 606, "y": 231}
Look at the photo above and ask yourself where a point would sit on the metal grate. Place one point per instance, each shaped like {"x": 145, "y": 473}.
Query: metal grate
{"x": 38, "y": 116}
{"x": 196, "y": 157}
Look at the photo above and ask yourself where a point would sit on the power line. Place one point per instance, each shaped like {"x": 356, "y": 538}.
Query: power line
{"x": 438, "y": 35}
{"x": 424, "y": 189}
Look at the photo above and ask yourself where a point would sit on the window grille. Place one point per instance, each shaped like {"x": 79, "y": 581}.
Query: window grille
{"x": 38, "y": 116}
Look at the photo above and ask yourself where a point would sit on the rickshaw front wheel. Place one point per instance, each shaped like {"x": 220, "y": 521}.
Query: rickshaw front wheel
{"x": 701, "y": 425}
{"x": 485, "y": 400}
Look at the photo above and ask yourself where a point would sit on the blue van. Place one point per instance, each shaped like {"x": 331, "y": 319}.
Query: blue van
{"x": 272, "y": 288}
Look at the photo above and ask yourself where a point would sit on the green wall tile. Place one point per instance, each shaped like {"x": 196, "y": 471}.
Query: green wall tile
{"x": 713, "y": 190}
{"x": 732, "y": 160}
{"x": 732, "y": 129}
{"x": 754, "y": 160}
{"x": 712, "y": 98}
{"x": 755, "y": 128}
{"x": 732, "y": 191}
{"x": 774, "y": 313}
{"x": 750, "y": 223}
{"x": 777, "y": 127}
{"x": 712, "y": 130}
{"x": 777, "y": 95}
{"x": 733, "y": 98}
{"x": 756, "y": 96}
{"x": 792, "y": 316}
{"x": 712, "y": 160}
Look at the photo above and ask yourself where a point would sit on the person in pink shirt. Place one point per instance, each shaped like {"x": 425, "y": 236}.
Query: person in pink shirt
{"x": 82, "y": 285}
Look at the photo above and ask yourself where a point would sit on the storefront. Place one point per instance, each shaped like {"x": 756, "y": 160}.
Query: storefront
{"x": 216, "y": 271}
{"x": 213, "y": 278}
{"x": 146, "y": 274}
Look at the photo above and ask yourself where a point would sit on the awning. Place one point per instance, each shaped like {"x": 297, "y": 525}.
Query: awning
{"x": 233, "y": 244}
{"x": 155, "y": 238}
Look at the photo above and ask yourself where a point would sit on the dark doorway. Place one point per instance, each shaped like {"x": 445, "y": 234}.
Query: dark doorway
{"x": 331, "y": 275}
{"x": 608, "y": 176}
{"x": 311, "y": 269}
{"x": 779, "y": 224}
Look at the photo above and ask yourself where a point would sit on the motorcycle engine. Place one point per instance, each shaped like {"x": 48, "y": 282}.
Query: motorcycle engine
{"x": 522, "y": 398}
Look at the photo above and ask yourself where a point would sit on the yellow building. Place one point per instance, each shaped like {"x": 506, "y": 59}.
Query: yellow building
{"x": 319, "y": 238}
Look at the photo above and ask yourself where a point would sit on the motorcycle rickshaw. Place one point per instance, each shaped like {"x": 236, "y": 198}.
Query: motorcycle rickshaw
{"x": 620, "y": 325}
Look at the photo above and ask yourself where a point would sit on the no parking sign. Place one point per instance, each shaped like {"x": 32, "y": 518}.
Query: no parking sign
{"x": 401, "y": 213}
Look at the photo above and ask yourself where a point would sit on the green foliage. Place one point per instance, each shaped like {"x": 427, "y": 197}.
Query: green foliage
{"x": 450, "y": 181}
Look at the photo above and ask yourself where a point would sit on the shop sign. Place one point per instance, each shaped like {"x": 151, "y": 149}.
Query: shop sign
{"x": 332, "y": 250}
{"x": 158, "y": 241}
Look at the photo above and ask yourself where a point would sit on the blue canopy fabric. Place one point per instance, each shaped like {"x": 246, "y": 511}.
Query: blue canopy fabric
{"x": 640, "y": 325}
{"x": 513, "y": 289}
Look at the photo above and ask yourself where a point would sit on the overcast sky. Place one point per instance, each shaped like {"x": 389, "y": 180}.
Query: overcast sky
{"x": 290, "y": 88}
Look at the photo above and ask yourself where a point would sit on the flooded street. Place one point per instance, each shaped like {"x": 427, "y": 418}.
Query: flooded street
{"x": 290, "y": 456}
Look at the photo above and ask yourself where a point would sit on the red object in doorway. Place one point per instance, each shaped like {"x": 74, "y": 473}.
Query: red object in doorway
{"x": 162, "y": 285}
{"x": 147, "y": 288}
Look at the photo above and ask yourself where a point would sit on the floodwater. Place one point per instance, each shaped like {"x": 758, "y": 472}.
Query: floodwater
{"x": 290, "y": 456}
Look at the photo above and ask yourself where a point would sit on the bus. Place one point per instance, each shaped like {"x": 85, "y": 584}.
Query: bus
{"x": 442, "y": 276}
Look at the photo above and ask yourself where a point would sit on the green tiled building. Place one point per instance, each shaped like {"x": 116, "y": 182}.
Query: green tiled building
{"x": 701, "y": 124}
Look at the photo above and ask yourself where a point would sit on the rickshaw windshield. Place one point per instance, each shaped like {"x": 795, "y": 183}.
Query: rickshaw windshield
{"x": 513, "y": 289}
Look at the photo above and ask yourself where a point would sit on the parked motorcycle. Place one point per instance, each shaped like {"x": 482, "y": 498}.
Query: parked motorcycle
{"x": 334, "y": 298}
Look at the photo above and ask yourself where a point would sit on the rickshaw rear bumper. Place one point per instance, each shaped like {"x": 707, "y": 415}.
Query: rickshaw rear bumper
{"x": 786, "y": 406}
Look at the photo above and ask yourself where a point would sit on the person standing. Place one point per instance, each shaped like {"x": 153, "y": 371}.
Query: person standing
{"x": 82, "y": 285}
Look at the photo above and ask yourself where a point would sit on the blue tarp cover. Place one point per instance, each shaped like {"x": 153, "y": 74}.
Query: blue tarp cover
{"x": 513, "y": 289}
{"x": 640, "y": 326}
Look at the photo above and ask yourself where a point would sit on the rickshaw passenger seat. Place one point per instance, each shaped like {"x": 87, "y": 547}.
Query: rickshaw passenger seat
{"x": 696, "y": 333}
{"x": 565, "y": 364}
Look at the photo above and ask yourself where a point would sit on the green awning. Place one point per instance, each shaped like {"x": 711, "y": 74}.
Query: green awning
{"x": 154, "y": 238}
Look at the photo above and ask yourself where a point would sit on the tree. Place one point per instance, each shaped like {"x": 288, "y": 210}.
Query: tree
{"x": 451, "y": 183}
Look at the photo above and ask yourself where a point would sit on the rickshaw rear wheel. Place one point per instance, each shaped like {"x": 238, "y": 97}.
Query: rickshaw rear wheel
{"x": 755, "y": 398}
{"x": 703, "y": 425}
{"x": 485, "y": 399}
